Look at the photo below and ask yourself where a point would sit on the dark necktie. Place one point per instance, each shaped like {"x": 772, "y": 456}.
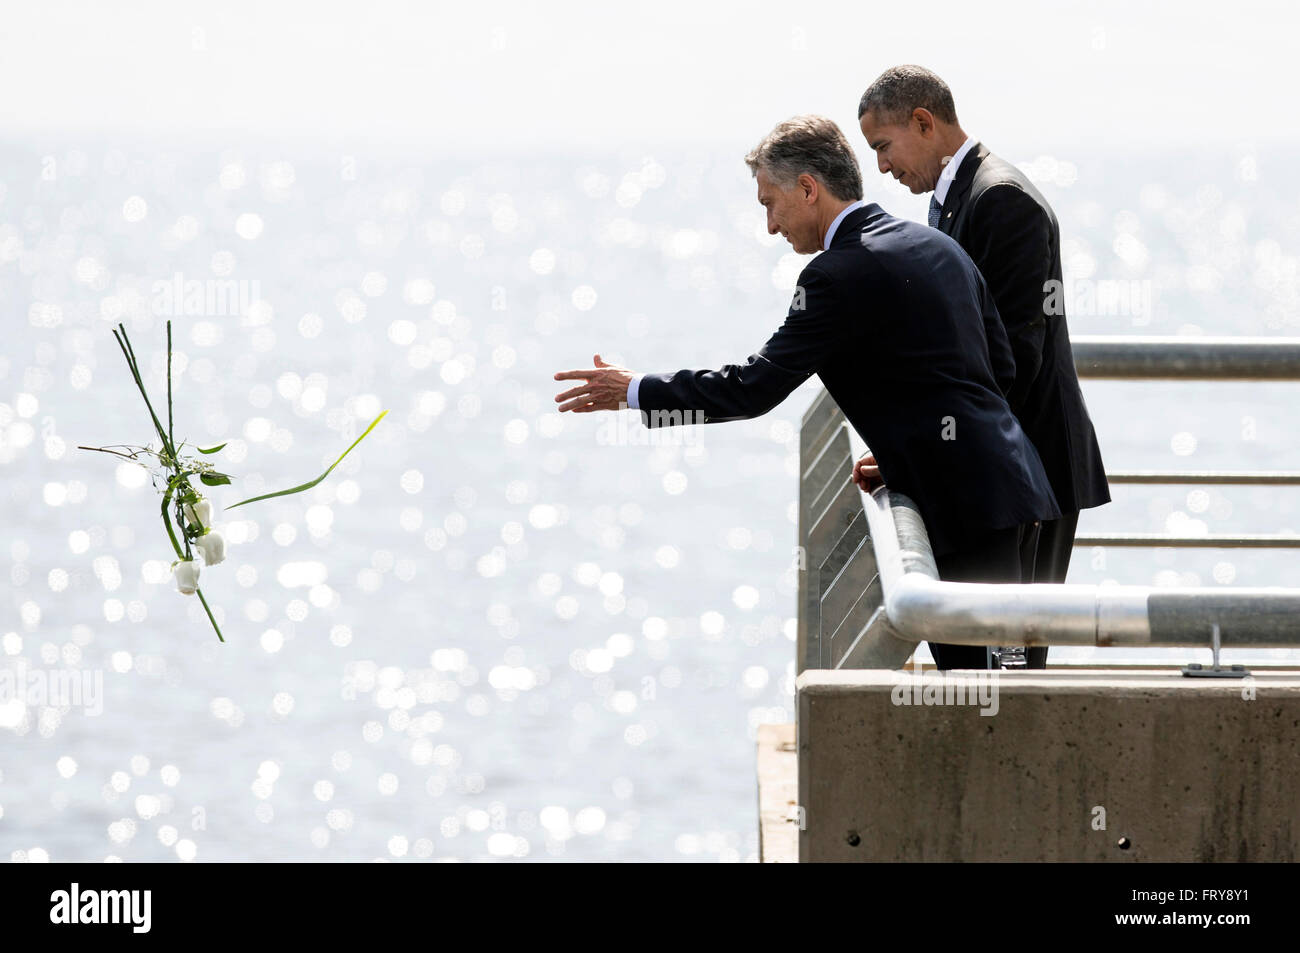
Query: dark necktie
{"x": 935, "y": 209}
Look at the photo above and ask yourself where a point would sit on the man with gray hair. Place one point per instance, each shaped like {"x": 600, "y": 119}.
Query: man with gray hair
{"x": 1002, "y": 221}
{"x": 900, "y": 327}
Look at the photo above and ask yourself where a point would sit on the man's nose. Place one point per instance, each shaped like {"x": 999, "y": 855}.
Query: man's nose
{"x": 883, "y": 163}
{"x": 772, "y": 228}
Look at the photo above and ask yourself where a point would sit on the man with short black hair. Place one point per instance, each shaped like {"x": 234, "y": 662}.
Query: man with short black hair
{"x": 1002, "y": 221}
{"x": 901, "y": 328}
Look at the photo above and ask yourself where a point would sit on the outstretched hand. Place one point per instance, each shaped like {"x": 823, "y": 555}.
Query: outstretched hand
{"x": 604, "y": 387}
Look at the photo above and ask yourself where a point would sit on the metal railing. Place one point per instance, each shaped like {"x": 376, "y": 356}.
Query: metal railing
{"x": 1191, "y": 358}
{"x": 869, "y": 591}
{"x": 1187, "y": 358}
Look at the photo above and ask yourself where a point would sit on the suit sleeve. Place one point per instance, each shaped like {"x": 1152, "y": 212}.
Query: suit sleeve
{"x": 1001, "y": 357}
{"x": 797, "y": 350}
{"x": 1010, "y": 239}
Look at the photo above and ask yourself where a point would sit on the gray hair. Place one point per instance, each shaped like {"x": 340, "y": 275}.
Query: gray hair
{"x": 901, "y": 89}
{"x": 811, "y": 144}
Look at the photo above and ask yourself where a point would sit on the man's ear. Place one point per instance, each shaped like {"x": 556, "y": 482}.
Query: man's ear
{"x": 924, "y": 120}
{"x": 809, "y": 186}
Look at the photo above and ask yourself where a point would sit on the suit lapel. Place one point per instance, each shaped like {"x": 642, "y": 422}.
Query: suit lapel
{"x": 960, "y": 187}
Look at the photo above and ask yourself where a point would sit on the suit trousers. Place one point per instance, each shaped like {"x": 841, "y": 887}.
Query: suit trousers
{"x": 1051, "y": 561}
{"x": 996, "y": 557}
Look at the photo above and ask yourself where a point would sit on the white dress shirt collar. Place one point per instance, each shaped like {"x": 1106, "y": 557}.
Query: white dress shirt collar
{"x": 950, "y": 171}
{"x": 830, "y": 232}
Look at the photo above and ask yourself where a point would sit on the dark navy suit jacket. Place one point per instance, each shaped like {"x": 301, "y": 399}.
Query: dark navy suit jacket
{"x": 899, "y": 325}
{"x": 994, "y": 212}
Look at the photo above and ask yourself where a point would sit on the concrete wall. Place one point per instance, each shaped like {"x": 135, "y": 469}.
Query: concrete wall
{"x": 1100, "y": 765}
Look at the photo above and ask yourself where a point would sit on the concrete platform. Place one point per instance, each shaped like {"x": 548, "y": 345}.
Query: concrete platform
{"x": 1087, "y": 764}
{"x": 778, "y": 815}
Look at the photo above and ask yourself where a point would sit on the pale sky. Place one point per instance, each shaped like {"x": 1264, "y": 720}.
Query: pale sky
{"x": 482, "y": 77}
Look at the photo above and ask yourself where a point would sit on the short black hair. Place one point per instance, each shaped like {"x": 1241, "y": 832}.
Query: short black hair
{"x": 900, "y": 89}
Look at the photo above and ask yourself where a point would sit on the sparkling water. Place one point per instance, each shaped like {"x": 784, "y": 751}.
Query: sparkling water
{"x": 494, "y": 632}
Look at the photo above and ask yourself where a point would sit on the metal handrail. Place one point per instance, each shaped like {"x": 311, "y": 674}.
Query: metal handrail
{"x": 869, "y": 592}
{"x": 1191, "y": 358}
{"x": 1217, "y": 477}
{"x": 896, "y": 599}
{"x": 920, "y": 607}
{"x": 1209, "y": 541}
{"x": 1187, "y": 358}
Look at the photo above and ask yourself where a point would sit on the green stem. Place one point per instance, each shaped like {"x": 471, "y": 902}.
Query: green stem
{"x": 167, "y": 520}
{"x": 125, "y": 344}
{"x": 171, "y": 487}
{"x": 209, "y": 612}
{"x": 171, "y": 433}
{"x": 139, "y": 382}
{"x": 180, "y": 521}
{"x": 124, "y": 456}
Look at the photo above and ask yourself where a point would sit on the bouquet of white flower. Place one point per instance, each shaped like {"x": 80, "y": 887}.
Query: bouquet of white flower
{"x": 181, "y": 503}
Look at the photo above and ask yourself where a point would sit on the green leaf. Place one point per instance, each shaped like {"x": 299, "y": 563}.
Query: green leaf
{"x": 211, "y": 449}
{"x": 214, "y": 479}
{"x": 308, "y": 486}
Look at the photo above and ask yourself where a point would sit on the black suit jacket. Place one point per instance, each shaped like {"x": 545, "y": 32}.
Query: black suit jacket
{"x": 1007, "y": 227}
{"x": 901, "y": 328}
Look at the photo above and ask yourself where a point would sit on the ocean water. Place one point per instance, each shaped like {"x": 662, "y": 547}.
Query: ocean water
{"x": 494, "y": 632}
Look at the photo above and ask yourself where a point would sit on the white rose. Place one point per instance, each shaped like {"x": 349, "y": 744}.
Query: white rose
{"x": 213, "y": 547}
{"x": 187, "y": 576}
